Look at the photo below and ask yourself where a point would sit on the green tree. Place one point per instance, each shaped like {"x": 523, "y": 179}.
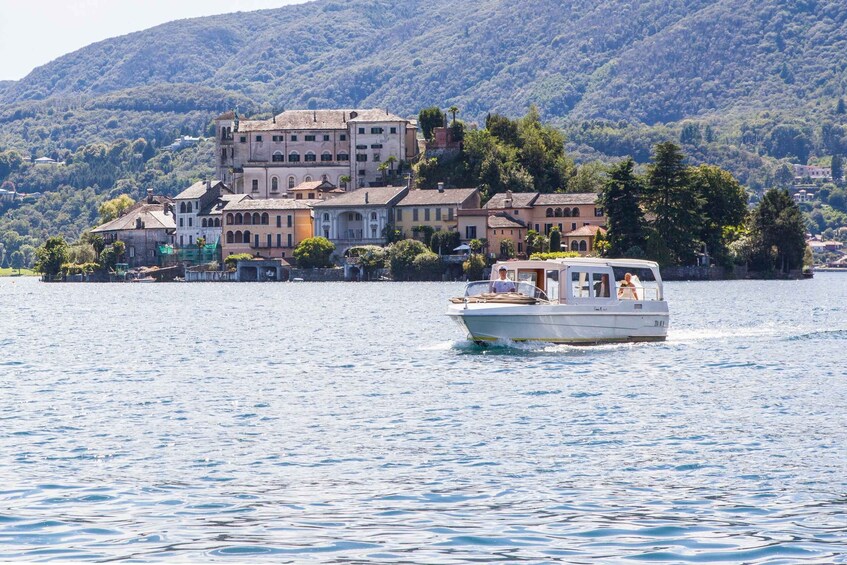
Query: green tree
{"x": 476, "y": 245}
{"x": 840, "y": 107}
{"x": 454, "y": 110}
{"x": 427, "y": 266}
{"x": 724, "y": 206}
{"x": 314, "y": 252}
{"x": 444, "y": 242}
{"x": 383, "y": 169}
{"x": 837, "y": 168}
{"x": 370, "y": 258}
{"x": 401, "y": 257}
{"x": 17, "y": 261}
{"x": 98, "y": 244}
{"x": 555, "y": 240}
{"x": 429, "y": 119}
{"x": 533, "y": 242}
{"x": 474, "y": 266}
{"x": 779, "y": 228}
{"x": 119, "y": 248}
{"x": 507, "y": 248}
{"x": 113, "y": 208}
{"x": 784, "y": 175}
{"x": 620, "y": 200}
{"x": 690, "y": 134}
{"x": 589, "y": 177}
{"x": 51, "y": 256}
{"x": 675, "y": 206}
{"x": 345, "y": 181}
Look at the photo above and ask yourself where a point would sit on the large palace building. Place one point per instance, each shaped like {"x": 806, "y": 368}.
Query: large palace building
{"x": 267, "y": 158}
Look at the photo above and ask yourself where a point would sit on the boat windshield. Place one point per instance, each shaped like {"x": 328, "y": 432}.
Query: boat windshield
{"x": 478, "y": 288}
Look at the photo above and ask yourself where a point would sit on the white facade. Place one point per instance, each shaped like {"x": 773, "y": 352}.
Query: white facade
{"x": 358, "y": 226}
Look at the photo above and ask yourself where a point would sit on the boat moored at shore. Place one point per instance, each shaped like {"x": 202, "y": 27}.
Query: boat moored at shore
{"x": 573, "y": 301}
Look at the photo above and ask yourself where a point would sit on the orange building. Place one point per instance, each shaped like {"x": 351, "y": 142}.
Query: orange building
{"x": 269, "y": 228}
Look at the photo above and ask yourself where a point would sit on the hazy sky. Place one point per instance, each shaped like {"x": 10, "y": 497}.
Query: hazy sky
{"x": 34, "y": 32}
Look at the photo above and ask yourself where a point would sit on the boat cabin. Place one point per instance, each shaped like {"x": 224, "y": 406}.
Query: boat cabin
{"x": 586, "y": 280}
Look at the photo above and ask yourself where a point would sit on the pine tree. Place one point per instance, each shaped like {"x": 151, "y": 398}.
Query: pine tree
{"x": 673, "y": 203}
{"x": 837, "y": 168}
{"x": 778, "y": 225}
{"x": 620, "y": 201}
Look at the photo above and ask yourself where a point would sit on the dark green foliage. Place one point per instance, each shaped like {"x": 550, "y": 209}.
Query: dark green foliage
{"x": 840, "y": 107}
{"x": 724, "y": 205}
{"x": 402, "y": 256}
{"x": 17, "y": 261}
{"x": 620, "y": 200}
{"x": 231, "y": 261}
{"x": 474, "y": 266}
{"x": 430, "y": 118}
{"x": 314, "y": 252}
{"x": 675, "y": 205}
{"x": 837, "y": 168}
{"x": 555, "y": 240}
{"x": 51, "y": 256}
{"x": 507, "y": 249}
{"x": 444, "y": 242}
{"x": 779, "y": 233}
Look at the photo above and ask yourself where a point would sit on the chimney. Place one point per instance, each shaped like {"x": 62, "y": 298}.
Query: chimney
{"x": 314, "y": 116}
{"x": 149, "y": 196}
{"x": 441, "y": 187}
{"x": 366, "y": 198}
{"x": 208, "y": 184}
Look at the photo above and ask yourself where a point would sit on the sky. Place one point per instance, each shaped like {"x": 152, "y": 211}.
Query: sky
{"x": 34, "y": 32}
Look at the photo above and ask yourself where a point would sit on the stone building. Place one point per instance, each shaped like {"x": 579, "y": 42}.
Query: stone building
{"x": 269, "y": 228}
{"x": 144, "y": 228}
{"x": 436, "y": 208}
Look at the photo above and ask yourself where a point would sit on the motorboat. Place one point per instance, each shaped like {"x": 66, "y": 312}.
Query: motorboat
{"x": 571, "y": 301}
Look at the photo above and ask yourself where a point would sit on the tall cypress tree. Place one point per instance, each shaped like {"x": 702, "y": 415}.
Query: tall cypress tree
{"x": 837, "y": 168}
{"x": 779, "y": 225}
{"x": 620, "y": 200}
{"x": 674, "y": 204}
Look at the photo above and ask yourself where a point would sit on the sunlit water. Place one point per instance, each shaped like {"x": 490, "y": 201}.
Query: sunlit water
{"x": 352, "y": 422}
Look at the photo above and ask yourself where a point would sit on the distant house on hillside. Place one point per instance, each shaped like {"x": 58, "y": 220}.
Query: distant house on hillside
{"x": 812, "y": 172}
{"x": 182, "y": 143}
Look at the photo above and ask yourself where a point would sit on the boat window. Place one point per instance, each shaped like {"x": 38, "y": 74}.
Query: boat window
{"x": 553, "y": 285}
{"x": 645, "y": 285}
{"x": 580, "y": 286}
{"x": 534, "y": 277}
{"x": 601, "y": 285}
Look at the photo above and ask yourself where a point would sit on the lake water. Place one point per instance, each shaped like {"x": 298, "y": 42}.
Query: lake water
{"x": 345, "y": 422}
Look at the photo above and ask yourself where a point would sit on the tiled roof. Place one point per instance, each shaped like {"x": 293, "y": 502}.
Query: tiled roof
{"x": 504, "y": 220}
{"x": 217, "y": 205}
{"x": 320, "y": 185}
{"x": 269, "y": 204}
{"x": 585, "y": 231}
{"x": 433, "y": 197}
{"x": 198, "y": 189}
{"x": 152, "y": 215}
{"x": 566, "y": 199}
{"x": 519, "y": 200}
{"x": 226, "y": 116}
{"x": 317, "y": 119}
{"x": 372, "y": 196}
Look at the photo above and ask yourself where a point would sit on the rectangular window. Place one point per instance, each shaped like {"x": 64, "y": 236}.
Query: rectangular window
{"x": 426, "y": 214}
{"x": 290, "y": 240}
{"x": 361, "y": 172}
{"x": 414, "y": 214}
{"x": 361, "y": 131}
{"x": 277, "y": 158}
{"x": 243, "y": 139}
{"x": 279, "y": 240}
{"x": 547, "y": 228}
{"x": 361, "y": 147}
{"x": 326, "y": 157}
{"x": 181, "y": 241}
{"x": 270, "y": 241}
{"x": 256, "y": 241}
{"x": 290, "y": 220}
{"x": 190, "y": 240}
{"x": 326, "y": 137}
{"x": 573, "y": 227}
{"x": 342, "y": 137}
{"x": 293, "y": 138}
{"x": 310, "y": 157}
{"x": 438, "y": 214}
{"x": 343, "y": 157}
{"x": 398, "y": 214}
{"x": 598, "y": 212}
{"x": 376, "y": 130}
{"x": 181, "y": 223}
{"x": 190, "y": 222}
{"x": 376, "y": 145}
{"x": 277, "y": 138}
{"x": 520, "y": 247}
{"x": 259, "y": 138}
{"x": 536, "y": 227}
{"x": 255, "y": 185}
{"x": 361, "y": 157}
{"x": 449, "y": 213}
{"x": 376, "y": 157}
{"x": 279, "y": 221}
{"x": 393, "y": 130}
{"x": 309, "y": 138}
{"x": 470, "y": 232}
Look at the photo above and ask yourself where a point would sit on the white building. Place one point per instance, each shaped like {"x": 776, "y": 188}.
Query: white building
{"x": 197, "y": 211}
{"x": 266, "y": 158}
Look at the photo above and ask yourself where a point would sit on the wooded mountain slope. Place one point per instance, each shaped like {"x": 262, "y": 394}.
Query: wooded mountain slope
{"x": 650, "y": 61}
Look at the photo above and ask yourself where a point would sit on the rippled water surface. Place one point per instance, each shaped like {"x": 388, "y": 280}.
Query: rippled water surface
{"x": 351, "y": 422}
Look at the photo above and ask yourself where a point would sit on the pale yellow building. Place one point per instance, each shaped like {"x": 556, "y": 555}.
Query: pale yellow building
{"x": 270, "y": 228}
{"x": 436, "y": 208}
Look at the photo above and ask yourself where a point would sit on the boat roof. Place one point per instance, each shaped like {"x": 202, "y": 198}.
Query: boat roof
{"x": 582, "y": 261}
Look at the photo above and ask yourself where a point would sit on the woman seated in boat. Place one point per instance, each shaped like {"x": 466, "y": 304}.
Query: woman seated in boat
{"x": 503, "y": 284}
{"x": 626, "y": 290}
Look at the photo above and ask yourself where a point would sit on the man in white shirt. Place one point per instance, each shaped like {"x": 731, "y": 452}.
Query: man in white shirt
{"x": 503, "y": 284}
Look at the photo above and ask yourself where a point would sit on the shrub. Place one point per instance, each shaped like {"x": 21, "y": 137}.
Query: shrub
{"x": 314, "y": 252}
{"x": 474, "y": 267}
{"x": 231, "y": 261}
{"x": 553, "y": 255}
{"x": 401, "y": 257}
{"x": 427, "y": 266}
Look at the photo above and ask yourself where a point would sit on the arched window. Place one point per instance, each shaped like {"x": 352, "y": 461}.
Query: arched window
{"x": 583, "y": 246}
{"x": 326, "y": 216}
{"x": 238, "y": 219}
{"x": 326, "y": 156}
{"x": 229, "y": 219}
{"x": 274, "y": 184}
{"x": 310, "y": 157}
{"x": 549, "y": 212}
{"x": 277, "y": 157}
{"x": 217, "y": 222}
{"x": 257, "y": 219}
{"x": 204, "y": 222}
{"x": 574, "y": 246}
{"x": 238, "y": 236}
{"x": 343, "y": 156}
{"x": 188, "y": 208}
{"x": 293, "y": 157}
{"x": 247, "y": 219}
{"x": 307, "y": 179}
{"x": 558, "y": 212}
{"x": 265, "y": 219}
{"x": 246, "y": 237}
{"x": 373, "y": 216}
{"x": 182, "y": 207}
{"x": 229, "y": 237}
{"x": 575, "y": 212}
{"x": 290, "y": 182}
{"x": 567, "y": 212}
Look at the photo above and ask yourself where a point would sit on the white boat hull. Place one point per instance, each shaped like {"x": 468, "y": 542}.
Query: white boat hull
{"x": 564, "y": 323}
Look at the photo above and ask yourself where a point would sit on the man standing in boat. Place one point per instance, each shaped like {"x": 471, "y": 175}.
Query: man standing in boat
{"x": 503, "y": 284}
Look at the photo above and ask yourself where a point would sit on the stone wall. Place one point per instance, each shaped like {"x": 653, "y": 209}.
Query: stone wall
{"x": 317, "y": 275}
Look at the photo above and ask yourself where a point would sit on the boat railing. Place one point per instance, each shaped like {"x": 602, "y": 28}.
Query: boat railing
{"x": 479, "y": 288}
